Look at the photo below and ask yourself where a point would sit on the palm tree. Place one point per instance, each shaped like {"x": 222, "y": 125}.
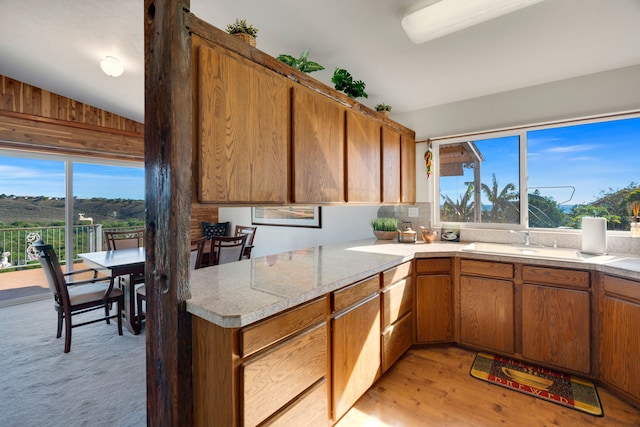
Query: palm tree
{"x": 460, "y": 210}
{"x": 502, "y": 207}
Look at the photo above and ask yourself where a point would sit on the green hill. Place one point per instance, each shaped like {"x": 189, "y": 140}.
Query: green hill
{"x": 19, "y": 211}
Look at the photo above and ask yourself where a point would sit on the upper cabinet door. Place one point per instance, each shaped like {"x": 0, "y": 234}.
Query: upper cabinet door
{"x": 318, "y": 148}
{"x": 408, "y": 169}
{"x": 363, "y": 159}
{"x": 243, "y": 116}
{"x": 390, "y": 166}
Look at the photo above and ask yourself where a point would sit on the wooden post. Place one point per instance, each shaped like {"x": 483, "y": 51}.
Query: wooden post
{"x": 167, "y": 149}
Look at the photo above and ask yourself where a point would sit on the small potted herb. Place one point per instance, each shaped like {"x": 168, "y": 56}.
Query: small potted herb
{"x": 343, "y": 81}
{"x": 385, "y": 228}
{"x": 302, "y": 63}
{"x": 246, "y": 32}
{"x": 385, "y": 109}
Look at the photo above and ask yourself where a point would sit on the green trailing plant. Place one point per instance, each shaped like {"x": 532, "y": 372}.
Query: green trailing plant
{"x": 384, "y": 224}
{"x": 302, "y": 63}
{"x": 241, "y": 26}
{"x": 383, "y": 107}
{"x": 343, "y": 81}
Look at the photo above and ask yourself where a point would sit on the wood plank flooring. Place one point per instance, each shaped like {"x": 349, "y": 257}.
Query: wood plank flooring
{"x": 433, "y": 387}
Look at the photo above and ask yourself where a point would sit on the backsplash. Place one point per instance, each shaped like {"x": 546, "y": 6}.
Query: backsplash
{"x": 617, "y": 242}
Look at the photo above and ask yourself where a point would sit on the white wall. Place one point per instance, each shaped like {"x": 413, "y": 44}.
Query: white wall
{"x": 601, "y": 93}
{"x": 339, "y": 224}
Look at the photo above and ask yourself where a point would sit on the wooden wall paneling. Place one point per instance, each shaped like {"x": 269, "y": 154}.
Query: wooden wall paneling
{"x": 318, "y": 148}
{"x": 19, "y": 97}
{"x": 35, "y": 119}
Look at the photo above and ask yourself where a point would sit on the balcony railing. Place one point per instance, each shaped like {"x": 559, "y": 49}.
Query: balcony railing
{"x": 17, "y": 243}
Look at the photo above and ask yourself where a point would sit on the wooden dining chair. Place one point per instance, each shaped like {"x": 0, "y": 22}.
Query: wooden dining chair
{"x": 227, "y": 249}
{"x": 249, "y": 231}
{"x": 128, "y": 239}
{"x": 124, "y": 239}
{"x": 80, "y": 296}
{"x": 195, "y": 262}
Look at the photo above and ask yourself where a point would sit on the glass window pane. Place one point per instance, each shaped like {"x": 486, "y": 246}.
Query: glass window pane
{"x": 106, "y": 197}
{"x": 480, "y": 181}
{"x": 32, "y": 205}
{"x": 582, "y": 170}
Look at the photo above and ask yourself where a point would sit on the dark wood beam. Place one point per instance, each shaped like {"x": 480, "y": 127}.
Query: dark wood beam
{"x": 168, "y": 150}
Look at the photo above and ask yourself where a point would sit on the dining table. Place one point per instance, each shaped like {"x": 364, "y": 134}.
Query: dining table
{"x": 123, "y": 264}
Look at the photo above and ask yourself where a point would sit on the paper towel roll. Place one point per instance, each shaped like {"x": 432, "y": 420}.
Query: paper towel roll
{"x": 594, "y": 235}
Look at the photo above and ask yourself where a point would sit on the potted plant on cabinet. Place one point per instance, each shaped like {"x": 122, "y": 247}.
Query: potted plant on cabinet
{"x": 385, "y": 228}
{"x": 302, "y": 63}
{"x": 246, "y": 32}
{"x": 385, "y": 109}
{"x": 343, "y": 81}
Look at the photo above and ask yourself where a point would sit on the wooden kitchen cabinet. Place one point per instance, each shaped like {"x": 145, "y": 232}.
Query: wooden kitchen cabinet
{"x": 391, "y": 166}
{"x": 243, "y": 116}
{"x": 355, "y": 344}
{"x": 619, "y": 336}
{"x": 487, "y": 305}
{"x": 265, "y": 373}
{"x": 434, "y": 301}
{"x": 408, "y": 169}
{"x": 556, "y": 317}
{"x": 397, "y": 313}
{"x": 317, "y": 149}
{"x": 363, "y": 159}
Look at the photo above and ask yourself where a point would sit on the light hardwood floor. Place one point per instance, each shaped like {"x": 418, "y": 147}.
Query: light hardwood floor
{"x": 433, "y": 387}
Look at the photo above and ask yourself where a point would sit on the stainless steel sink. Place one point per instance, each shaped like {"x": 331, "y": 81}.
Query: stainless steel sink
{"x": 523, "y": 250}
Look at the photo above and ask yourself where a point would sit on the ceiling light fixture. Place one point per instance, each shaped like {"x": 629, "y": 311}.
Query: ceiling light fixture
{"x": 448, "y": 16}
{"x": 111, "y": 66}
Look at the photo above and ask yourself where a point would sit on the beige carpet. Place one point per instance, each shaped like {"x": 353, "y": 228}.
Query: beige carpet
{"x": 101, "y": 382}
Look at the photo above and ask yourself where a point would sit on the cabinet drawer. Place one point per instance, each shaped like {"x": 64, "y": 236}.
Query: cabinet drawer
{"x": 433, "y": 265}
{"x": 396, "y": 339}
{"x": 623, "y": 288}
{"x": 397, "y": 301}
{"x": 311, "y": 409}
{"x": 355, "y": 293}
{"x": 500, "y": 270}
{"x": 395, "y": 274}
{"x": 273, "y": 379}
{"x": 556, "y": 276}
{"x": 265, "y": 333}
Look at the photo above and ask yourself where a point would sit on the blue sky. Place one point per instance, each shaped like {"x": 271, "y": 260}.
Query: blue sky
{"x": 592, "y": 158}
{"x": 34, "y": 177}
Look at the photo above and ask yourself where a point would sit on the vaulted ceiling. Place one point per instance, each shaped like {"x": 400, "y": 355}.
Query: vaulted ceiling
{"x": 57, "y": 45}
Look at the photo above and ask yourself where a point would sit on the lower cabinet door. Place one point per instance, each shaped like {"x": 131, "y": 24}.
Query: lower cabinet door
{"x": 556, "y": 326}
{"x": 311, "y": 409}
{"x": 356, "y": 354}
{"x": 271, "y": 380}
{"x": 396, "y": 339}
{"x": 487, "y": 313}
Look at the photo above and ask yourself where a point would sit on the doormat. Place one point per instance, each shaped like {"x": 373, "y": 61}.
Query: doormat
{"x": 553, "y": 386}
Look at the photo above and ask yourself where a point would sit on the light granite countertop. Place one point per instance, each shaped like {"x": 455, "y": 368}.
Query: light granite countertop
{"x": 240, "y": 293}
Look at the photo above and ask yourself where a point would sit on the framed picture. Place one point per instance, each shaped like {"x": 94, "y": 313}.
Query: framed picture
{"x": 287, "y": 216}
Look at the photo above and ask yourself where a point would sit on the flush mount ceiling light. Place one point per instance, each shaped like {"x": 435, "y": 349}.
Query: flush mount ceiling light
{"x": 111, "y": 66}
{"x": 448, "y": 16}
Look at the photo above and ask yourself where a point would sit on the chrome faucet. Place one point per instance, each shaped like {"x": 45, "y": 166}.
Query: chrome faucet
{"x": 525, "y": 236}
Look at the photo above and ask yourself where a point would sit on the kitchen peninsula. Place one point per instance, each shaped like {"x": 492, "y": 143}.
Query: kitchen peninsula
{"x": 301, "y": 335}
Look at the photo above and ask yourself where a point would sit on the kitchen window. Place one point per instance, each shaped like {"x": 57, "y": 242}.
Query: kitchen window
{"x": 541, "y": 176}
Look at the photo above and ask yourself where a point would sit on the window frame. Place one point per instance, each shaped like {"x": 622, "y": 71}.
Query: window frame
{"x": 68, "y": 162}
{"x": 522, "y": 132}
